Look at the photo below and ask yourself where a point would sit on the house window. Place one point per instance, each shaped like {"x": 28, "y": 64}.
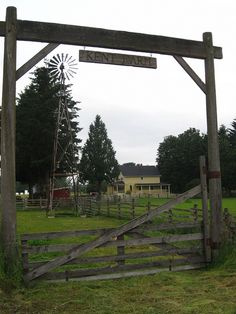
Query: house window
{"x": 141, "y": 178}
{"x": 131, "y": 188}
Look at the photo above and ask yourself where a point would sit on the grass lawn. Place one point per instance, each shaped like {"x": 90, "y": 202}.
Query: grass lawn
{"x": 199, "y": 291}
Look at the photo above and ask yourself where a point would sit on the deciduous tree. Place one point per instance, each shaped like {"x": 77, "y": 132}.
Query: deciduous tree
{"x": 178, "y": 158}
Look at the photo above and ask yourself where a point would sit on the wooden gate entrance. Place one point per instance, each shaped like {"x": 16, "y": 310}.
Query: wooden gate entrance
{"x": 165, "y": 238}
{"x": 54, "y": 34}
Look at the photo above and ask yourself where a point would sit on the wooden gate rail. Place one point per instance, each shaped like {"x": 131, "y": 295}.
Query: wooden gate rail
{"x": 171, "y": 257}
{"x": 179, "y": 248}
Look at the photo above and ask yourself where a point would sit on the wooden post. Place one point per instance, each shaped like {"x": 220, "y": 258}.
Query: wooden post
{"x": 195, "y": 213}
{"x": 170, "y": 216}
{"x": 25, "y": 256}
{"x": 8, "y": 125}
{"x": 214, "y": 175}
{"x": 133, "y": 208}
{"x": 206, "y": 240}
{"x": 120, "y": 250}
{"x": 119, "y": 208}
{"x": 108, "y": 207}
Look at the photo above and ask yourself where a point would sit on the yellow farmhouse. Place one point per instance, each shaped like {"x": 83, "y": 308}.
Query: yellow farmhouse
{"x": 139, "y": 180}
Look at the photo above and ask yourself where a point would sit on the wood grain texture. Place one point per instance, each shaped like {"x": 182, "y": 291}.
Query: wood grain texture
{"x": 97, "y": 37}
{"x": 35, "y": 59}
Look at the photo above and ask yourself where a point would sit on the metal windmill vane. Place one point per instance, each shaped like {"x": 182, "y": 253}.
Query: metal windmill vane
{"x": 62, "y": 66}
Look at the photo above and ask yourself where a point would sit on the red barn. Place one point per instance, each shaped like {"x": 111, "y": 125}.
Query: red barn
{"x": 61, "y": 193}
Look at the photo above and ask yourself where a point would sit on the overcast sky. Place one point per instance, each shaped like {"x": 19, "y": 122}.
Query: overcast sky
{"x": 140, "y": 106}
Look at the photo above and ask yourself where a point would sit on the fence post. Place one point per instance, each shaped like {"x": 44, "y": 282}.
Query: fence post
{"x": 148, "y": 205}
{"x": 203, "y": 171}
{"x": 99, "y": 206}
{"x": 119, "y": 208}
{"x": 108, "y": 207}
{"x": 8, "y": 139}
{"x": 25, "y": 256}
{"x": 195, "y": 213}
{"x": 133, "y": 208}
{"x": 214, "y": 174}
{"x": 120, "y": 250}
{"x": 90, "y": 207}
{"x": 170, "y": 216}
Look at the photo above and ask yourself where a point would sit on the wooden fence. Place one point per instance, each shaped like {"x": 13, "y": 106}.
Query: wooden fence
{"x": 127, "y": 209}
{"x": 42, "y": 203}
{"x": 161, "y": 239}
{"x": 148, "y": 249}
{"x": 169, "y": 245}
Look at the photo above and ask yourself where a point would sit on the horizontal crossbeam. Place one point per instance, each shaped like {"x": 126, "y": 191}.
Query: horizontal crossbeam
{"x": 98, "y": 37}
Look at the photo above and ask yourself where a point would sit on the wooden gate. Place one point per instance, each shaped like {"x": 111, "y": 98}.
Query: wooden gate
{"x": 165, "y": 238}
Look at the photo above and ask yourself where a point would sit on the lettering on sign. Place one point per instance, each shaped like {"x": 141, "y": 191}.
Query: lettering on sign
{"x": 117, "y": 59}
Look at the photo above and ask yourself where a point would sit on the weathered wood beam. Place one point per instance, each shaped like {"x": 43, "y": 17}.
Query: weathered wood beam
{"x": 2, "y": 28}
{"x": 191, "y": 73}
{"x": 143, "y": 272}
{"x": 214, "y": 174}
{"x": 98, "y": 37}
{"x": 35, "y": 59}
{"x": 203, "y": 177}
{"x": 8, "y": 127}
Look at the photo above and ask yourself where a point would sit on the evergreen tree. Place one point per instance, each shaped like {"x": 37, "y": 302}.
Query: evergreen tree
{"x": 227, "y": 143}
{"x": 36, "y": 115}
{"x": 98, "y": 163}
{"x": 232, "y": 133}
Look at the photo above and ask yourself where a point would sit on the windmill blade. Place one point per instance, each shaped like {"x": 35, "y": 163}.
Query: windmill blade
{"x": 62, "y": 57}
{"x": 73, "y": 65}
{"x": 66, "y": 57}
{"x": 72, "y": 62}
{"x": 54, "y": 73}
{"x": 52, "y": 65}
{"x": 67, "y": 76}
{"x": 71, "y": 71}
{"x": 69, "y": 59}
{"x": 70, "y": 74}
{"x": 59, "y": 57}
{"x": 51, "y": 61}
{"x": 73, "y": 68}
{"x": 57, "y": 61}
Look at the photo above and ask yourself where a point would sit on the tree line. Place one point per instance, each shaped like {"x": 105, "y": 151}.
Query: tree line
{"x": 178, "y": 158}
{"x": 36, "y": 112}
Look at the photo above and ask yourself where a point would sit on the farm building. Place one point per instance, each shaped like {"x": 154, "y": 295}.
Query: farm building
{"x": 139, "y": 180}
{"x": 63, "y": 193}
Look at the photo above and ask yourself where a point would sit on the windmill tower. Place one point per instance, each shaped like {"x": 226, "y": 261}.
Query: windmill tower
{"x": 64, "y": 162}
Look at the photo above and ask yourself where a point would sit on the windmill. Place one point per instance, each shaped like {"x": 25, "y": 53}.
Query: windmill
{"x": 64, "y": 162}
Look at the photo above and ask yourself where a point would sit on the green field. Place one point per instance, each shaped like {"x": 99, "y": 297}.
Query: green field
{"x": 205, "y": 291}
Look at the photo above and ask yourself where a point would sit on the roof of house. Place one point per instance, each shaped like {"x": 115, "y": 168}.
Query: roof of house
{"x": 139, "y": 171}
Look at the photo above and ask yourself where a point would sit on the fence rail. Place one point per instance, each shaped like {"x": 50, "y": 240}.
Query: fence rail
{"x": 135, "y": 252}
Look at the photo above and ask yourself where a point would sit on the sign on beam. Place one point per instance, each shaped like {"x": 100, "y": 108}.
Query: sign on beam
{"x": 117, "y": 59}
